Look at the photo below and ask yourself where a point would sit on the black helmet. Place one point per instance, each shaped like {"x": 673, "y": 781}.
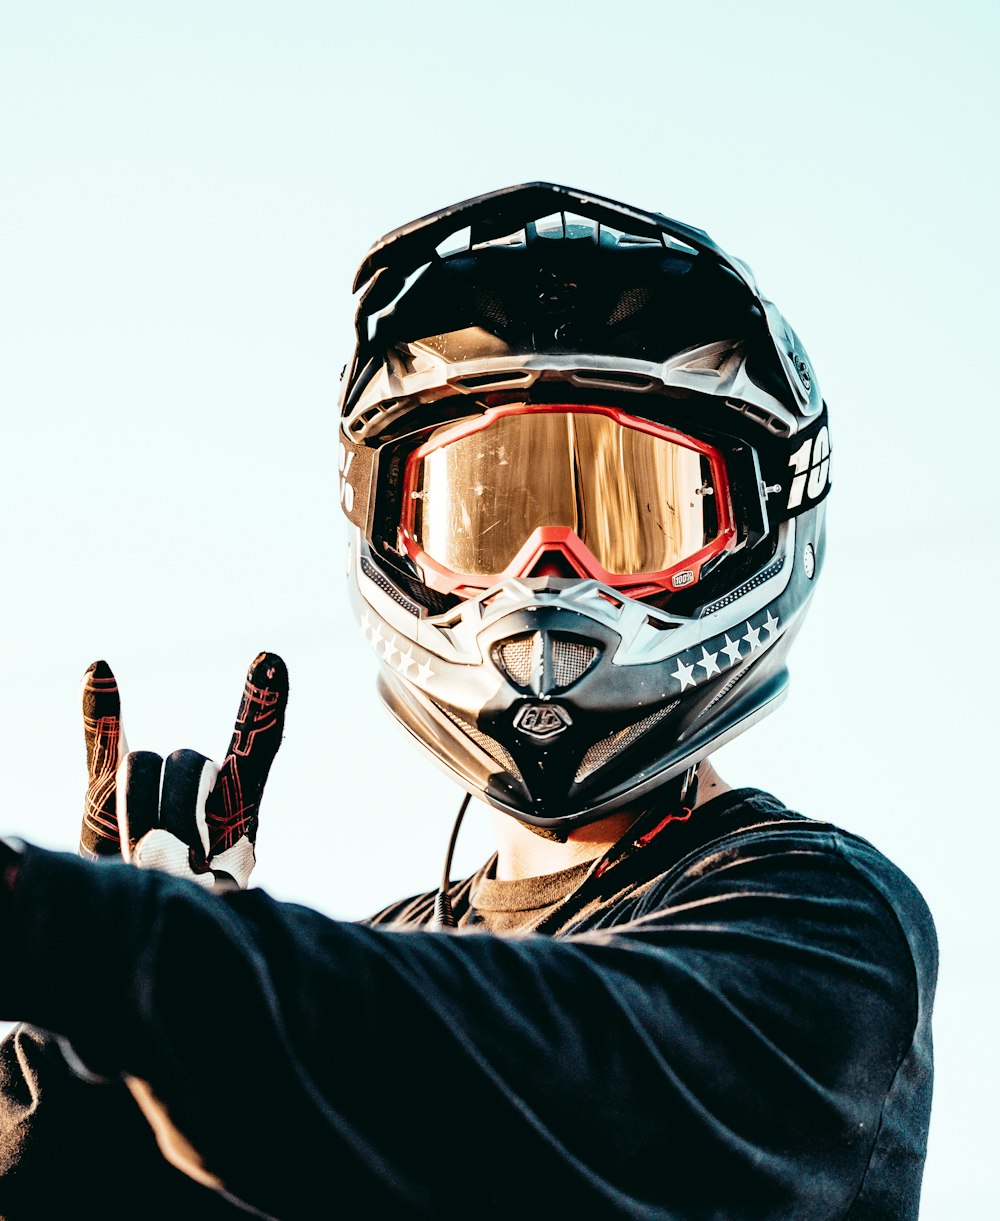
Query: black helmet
{"x": 585, "y": 460}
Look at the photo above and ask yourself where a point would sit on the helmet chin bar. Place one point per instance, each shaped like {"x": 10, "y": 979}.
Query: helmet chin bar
{"x": 555, "y": 707}
{"x": 476, "y": 772}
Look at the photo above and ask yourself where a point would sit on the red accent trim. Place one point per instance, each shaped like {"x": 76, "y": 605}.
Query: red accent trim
{"x": 563, "y": 540}
{"x": 643, "y": 840}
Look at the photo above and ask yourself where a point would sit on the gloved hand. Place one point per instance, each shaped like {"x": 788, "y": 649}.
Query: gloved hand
{"x": 186, "y": 815}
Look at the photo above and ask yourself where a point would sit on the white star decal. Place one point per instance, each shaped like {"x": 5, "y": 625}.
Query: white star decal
{"x": 366, "y": 624}
{"x": 752, "y": 637}
{"x": 684, "y": 674}
{"x": 708, "y": 662}
{"x": 389, "y": 650}
{"x": 406, "y": 662}
{"x": 770, "y": 625}
{"x": 424, "y": 672}
{"x": 732, "y": 650}
{"x": 376, "y": 635}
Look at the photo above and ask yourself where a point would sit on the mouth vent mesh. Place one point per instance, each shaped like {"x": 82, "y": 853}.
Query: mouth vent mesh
{"x": 571, "y": 659}
{"x": 521, "y": 658}
{"x": 606, "y": 749}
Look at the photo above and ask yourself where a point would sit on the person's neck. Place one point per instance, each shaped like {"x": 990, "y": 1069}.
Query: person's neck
{"x": 524, "y": 854}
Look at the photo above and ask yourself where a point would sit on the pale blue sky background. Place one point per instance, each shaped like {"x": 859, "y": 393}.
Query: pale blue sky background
{"x": 185, "y": 191}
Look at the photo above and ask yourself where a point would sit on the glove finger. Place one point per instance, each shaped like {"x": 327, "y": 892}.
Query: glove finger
{"x": 232, "y": 867}
{"x": 138, "y": 797}
{"x": 160, "y": 850}
{"x": 234, "y": 803}
{"x": 187, "y": 780}
{"x": 105, "y": 743}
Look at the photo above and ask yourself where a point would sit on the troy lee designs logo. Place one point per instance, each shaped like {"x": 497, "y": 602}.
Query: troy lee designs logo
{"x": 541, "y": 720}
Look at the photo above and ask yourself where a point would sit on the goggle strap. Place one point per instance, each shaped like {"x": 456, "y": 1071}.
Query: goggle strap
{"x": 796, "y": 477}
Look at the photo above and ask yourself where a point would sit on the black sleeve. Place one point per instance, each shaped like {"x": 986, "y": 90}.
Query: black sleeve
{"x": 727, "y": 1053}
{"x": 72, "y": 1148}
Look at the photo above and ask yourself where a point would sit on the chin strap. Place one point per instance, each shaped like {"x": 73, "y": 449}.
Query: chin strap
{"x": 443, "y": 916}
{"x": 679, "y": 809}
{"x": 649, "y": 824}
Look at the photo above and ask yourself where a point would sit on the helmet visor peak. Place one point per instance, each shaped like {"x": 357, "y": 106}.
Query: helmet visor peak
{"x": 614, "y": 497}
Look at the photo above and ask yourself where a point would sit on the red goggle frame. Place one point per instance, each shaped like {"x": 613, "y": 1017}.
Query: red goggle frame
{"x": 559, "y": 550}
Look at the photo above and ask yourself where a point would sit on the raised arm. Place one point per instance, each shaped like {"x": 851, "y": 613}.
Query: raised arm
{"x": 729, "y": 1050}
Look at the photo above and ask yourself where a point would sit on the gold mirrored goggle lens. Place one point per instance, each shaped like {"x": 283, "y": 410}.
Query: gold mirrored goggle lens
{"x": 635, "y": 499}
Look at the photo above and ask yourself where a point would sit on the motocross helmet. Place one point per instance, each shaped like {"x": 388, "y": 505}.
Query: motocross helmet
{"x": 585, "y": 463}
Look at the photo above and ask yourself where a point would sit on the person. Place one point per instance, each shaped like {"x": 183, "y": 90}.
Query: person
{"x": 586, "y": 465}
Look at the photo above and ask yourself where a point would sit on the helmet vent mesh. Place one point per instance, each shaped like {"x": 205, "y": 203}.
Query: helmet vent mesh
{"x": 487, "y": 744}
{"x": 734, "y": 595}
{"x": 387, "y": 587}
{"x": 606, "y": 749}
{"x": 741, "y": 674}
{"x": 520, "y": 658}
{"x": 630, "y": 302}
{"x": 491, "y": 307}
{"x": 571, "y": 659}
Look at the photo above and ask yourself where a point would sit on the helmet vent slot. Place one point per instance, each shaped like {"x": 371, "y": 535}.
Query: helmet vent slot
{"x": 520, "y": 658}
{"x": 660, "y": 625}
{"x": 488, "y": 745}
{"x": 571, "y": 659}
{"x": 770, "y": 421}
{"x": 606, "y": 749}
{"x": 741, "y": 674}
{"x": 455, "y": 243}
{"x": 481, "y": 381}
{"x": 387, "y": 587}
{"x": 755, "y": 581}
{"x": 611, "y": 379}
{"x": 633, "y": 239}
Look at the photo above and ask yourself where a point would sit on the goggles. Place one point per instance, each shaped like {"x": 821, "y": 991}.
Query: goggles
{"x": 553, "y": 490}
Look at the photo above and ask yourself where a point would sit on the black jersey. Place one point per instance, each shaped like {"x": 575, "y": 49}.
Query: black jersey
{"x": 730, "y": 1019}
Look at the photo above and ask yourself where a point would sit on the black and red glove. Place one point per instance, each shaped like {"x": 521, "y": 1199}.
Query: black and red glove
{"x": 185, "y": 815}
